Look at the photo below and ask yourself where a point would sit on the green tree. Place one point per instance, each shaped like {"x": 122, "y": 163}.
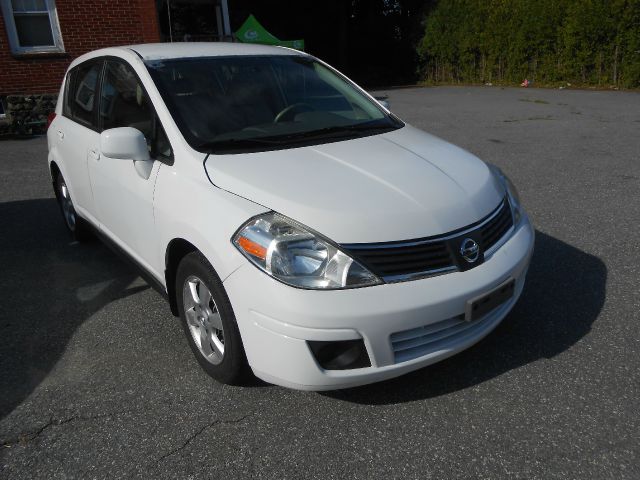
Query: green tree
{"x": 594, "y": 42}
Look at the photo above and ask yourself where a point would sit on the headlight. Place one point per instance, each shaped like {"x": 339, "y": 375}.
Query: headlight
{"x": 512, "y": 191}
{"x": 296, "y": 256}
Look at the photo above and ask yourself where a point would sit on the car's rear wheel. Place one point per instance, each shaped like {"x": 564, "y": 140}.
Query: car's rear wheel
{"x": 77, "y": 227}
{"x": 208, "y": 320}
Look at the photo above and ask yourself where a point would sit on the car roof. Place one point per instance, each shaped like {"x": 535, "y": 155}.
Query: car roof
{"x": 163, "y": 51}
{"x": 158, "y": 51}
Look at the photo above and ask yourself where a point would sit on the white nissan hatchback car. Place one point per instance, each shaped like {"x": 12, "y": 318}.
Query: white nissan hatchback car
{"x": 299, "y": 229}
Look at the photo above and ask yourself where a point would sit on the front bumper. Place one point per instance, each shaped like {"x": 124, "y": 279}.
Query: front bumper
{"x": 276, "y": 320}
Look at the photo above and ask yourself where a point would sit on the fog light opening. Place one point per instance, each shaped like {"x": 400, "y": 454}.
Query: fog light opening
{"x": 341, "y": 355}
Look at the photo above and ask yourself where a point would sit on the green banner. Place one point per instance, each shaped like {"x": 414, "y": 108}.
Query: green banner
{"x": 252, "y": 31}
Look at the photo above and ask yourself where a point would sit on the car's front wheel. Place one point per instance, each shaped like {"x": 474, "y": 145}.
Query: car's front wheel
{"x": 77, "y": 227}
{"x": 208, "y": 320}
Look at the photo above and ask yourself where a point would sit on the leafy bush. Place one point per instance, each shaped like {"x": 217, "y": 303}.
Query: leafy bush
{"x": 595, "y": 42}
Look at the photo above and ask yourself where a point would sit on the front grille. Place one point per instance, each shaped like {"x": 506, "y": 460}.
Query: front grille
{"x": 497, "y": 227}
{"x": 399, "y": 260}
{"x": 404, "y": 260}
{"x": 421, "y": 341}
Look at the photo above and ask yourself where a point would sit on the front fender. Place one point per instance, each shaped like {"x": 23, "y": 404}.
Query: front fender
{"x": 189, "y": 207}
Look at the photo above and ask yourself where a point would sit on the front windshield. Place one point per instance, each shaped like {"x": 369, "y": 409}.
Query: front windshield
{"x": 252, "y": 103}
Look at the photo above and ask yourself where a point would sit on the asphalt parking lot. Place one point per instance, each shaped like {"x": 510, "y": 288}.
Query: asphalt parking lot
{"x": 97, "y": 380}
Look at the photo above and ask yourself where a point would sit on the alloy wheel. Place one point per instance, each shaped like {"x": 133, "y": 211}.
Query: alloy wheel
{"x": 68, "y": 211}
{"x": 203, "y": 319}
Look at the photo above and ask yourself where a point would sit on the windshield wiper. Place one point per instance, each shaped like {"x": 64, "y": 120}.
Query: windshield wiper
{"x": 364, "y": 126}
{"x": 335, "y": 129}
{"x": 358, "y": 127}
{"x": 231, "y": 143}
{"x": 326, "y": 132}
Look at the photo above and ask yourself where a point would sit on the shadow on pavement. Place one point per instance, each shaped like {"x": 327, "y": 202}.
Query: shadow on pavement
{"x": 564, "y": 294}
{"x": 49, "y": 288}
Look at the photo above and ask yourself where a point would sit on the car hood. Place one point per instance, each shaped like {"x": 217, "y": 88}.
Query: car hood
{"x": 399, "y": 185}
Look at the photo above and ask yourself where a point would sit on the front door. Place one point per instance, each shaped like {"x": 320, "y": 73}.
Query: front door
{"x": 123, "y": 196}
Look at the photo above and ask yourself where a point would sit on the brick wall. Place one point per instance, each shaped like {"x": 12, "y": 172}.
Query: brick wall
{"x": 85, "y": 25}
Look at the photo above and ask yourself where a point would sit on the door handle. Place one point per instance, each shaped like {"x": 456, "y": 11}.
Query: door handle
{"x": 94, "y": 154}
{"x": 61, "y": 134}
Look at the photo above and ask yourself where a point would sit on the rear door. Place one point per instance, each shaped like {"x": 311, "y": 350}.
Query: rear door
{"x": 77, "y": 129}
{"x": 123, "y": 196}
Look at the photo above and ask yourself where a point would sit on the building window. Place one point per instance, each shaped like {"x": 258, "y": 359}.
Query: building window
{"x": 32, "y": 26}
{"x": 2, "y": 114}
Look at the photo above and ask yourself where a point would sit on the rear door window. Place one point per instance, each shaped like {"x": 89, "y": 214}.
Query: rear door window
{"x": 82, "y": 89}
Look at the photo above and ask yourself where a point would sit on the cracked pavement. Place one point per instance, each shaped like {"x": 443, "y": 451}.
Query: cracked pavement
{"x": 97, "y": 380}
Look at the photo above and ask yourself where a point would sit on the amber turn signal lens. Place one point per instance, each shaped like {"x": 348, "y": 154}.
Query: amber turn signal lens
{"x": 252, "y": 248}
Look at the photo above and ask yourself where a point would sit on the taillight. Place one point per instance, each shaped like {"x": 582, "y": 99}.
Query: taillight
{"x": 50, "y": 118}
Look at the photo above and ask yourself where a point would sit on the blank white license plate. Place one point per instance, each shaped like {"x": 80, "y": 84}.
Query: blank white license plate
{"x": 480, "y": 306}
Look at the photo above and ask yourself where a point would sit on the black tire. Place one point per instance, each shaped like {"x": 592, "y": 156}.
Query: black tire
{"x": 77, "y": 227}
{"x": 232, "y": 367}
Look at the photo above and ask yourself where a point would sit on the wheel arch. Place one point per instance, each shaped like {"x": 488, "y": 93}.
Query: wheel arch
{"x": 176, "y": 250}
{"x": 54, "y": 172}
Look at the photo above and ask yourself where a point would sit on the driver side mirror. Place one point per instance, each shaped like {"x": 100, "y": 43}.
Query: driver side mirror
{"x": 124, "y": 143}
